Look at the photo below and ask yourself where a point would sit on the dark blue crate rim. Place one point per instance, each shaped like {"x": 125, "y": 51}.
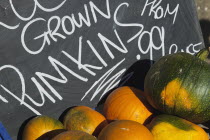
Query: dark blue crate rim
{"x": 4, "y": 135}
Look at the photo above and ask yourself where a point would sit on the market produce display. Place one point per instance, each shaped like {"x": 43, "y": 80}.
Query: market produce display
{"x": 175, "y": 100}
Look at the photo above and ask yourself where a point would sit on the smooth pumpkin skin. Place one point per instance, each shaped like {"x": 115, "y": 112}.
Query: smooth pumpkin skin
{"x": 179, "y": 84}
{"x": 74, "y": 135}
{"x": 84, "y": 119}
{"x": 39, "y": 126}
{"x": 125, "y": 130}
{"x": 127, "y": 103}
{"x": 168, "y": 127}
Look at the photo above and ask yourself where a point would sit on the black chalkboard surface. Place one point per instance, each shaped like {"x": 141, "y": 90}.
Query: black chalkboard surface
{"x": 55, "y": 54}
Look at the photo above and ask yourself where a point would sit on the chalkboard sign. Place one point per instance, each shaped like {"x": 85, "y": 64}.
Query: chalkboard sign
{"x": 55, "y": 54}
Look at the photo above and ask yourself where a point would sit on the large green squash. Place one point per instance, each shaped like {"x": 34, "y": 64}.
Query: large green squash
{"x": 179, "y": 84}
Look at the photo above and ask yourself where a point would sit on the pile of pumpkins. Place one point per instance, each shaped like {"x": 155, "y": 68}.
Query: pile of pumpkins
{"x": 175, "y": 99}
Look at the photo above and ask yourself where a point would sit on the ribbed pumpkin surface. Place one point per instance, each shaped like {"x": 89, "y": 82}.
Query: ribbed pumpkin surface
{"x": 179, "y": 84}
{"x": 127, "y": 103}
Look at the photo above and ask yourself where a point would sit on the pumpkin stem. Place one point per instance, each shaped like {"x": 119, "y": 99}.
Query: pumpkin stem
{"x": 208, "y": 56}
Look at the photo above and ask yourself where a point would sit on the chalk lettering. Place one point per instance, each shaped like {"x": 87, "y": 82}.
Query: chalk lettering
{"x": 191, "y": 48}
{"x": 42, "y": 92}
{"x": 173, "y": 46}
{"x": 81, "y": 65}
{"x": 80, "y": 58}
{"x": 94, "y": 8}
{"x": 105, "y": 40}
{"x": 3, "y": 99}
{"x": 194, "y": 50}
{"x": 96, "y": 53}
{"x": 36, "y": 4}
{"x": 127, "y": 24}
{"x": 157, "y": 10}
{"x": 53, "y": 33}
{"x": 174, "y": 12}
{"x": 21, "y": 100}
{"x": 55, "y": 63}
{"x": 9, "y": 26}
{"x": 61, "y": 23}
{"x": 103, "y": 82}
{"x": 82, "y": 18}
{"x": 151, "y": 46}
{"x": 125, "y": 78}
{"x": 45, "y": 40}
{"x": 64, "y": 25}
{"x": 78, "y": 62}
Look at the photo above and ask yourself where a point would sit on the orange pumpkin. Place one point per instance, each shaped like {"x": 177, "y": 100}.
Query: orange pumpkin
{"x": 125, "y": 130}
{"x": 127, "y": 103}
{"x": 38, "y": 127}
{"x": 84, "y": 119}
{"x": 74, "y": 135}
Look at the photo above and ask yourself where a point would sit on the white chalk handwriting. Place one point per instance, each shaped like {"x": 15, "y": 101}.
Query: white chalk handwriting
{"x": 148, "y": 42}
{"x": 158, "y": 12}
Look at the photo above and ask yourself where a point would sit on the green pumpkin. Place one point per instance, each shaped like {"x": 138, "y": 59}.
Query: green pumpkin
{"x": 179, "y": 84}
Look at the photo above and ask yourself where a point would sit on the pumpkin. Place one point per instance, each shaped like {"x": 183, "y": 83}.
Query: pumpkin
{"x": 42, "y": 127}
{"x": 74, "y": 135}
{"x": 125, "y": 130}
{"x": 179, "y": 84}
{"x": 204, "y": 55}
{"x": 84, "y": 119}
{"x": 168, "y": 127}
{"x": 127, "y": 103}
